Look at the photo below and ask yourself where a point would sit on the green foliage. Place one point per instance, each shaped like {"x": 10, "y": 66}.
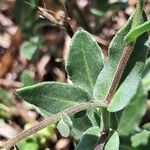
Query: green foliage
{"x": 141, "y": 138}
{"x": 113, "y": 141}
{"x": 4, "y": 97}
{"x": 84, "y": 70}
{"x": 5, "y": 103}
{"x": 64, "y": 126}
{"x": 91, "y": 81}
{"x": 36, "y": 141}
{"x": 53, "y": 97}
{"x": 29, "y": 49}
{"x": 26, "y": 78}
{"x": 25, "y": 14}
{"x": 137, "y": 31}
{"x": 132, "y": 74}
{"x": 146, "y": 75}
{"x": 89, "y": 139}
{"x": 80, "y": 125}
{"x": 115, "y": 50}
{"x": 29, "y": 143}
{"x": 131, "y": 116}
{"x": 124, "y": 95}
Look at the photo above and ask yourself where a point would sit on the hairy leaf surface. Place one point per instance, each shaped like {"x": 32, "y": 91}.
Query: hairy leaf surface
{"x": 52, "y": 96}
{"x": 132, "y": 73}
{"x": 132, "y": 114}
{"x": 113, "y": 141}
{"x": 84, "y": 60}
{"x": 89, "y": 139}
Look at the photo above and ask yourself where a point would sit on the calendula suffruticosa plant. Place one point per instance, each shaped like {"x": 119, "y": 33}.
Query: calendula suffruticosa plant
{"x": 106, "y": 100}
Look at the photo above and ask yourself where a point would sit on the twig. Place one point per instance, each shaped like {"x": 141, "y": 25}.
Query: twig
{"x": 119, "y": 71}
{"x": 67, "y": 23}
{"x": 52, "y": 119}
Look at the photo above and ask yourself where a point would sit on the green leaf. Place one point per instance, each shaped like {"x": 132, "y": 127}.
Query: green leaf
{"x": 29, "y": 49}
{"x": 4, "y": 111}
{"x": 94, "y": 116}
{"x": 24, "y": 13}
{"x": 146, "y": 126}
{"x": 135, "y": 67}
{"x": 132, "y": 73}
{"x": 84, "y": 61}
{"x": 141, "y": 138}
{"x": 125, "y": 143}
{"x": 89, "y": 139}
{"x": 28, "y": 143}
{"x": 64, "y": 126}
{"x": 131, "y": 117}
{"x": 5, "y": 98}
{"x": 127, "y": 90}
{"x": 113, "y": 141}
{"x": 26, "y": 78}
{"x": 105, "y": 77}
{"x": 80, "y": 125}
{"x": 52, "y": 96}
{"x": 147, "y": 68}
{"x": 137, "y": 31}
{"x": 146, "y": 75}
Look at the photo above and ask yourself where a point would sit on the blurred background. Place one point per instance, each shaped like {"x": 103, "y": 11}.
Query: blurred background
{"x": 34, "y": 39}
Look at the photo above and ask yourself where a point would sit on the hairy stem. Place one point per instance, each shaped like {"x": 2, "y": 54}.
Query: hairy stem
{"x": 52, "y": 119}
{"x": 119, "y": 71}
{"x": 105, "y": 125}
{"x": 126, "y": 52}
{"x": 105, "y": 119}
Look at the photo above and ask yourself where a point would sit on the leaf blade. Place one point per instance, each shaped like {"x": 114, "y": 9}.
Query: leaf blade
{"x": 130, "y": 119}
{"x": 89, "y": 139}
{"x": 113, "y": 141}
{"x": 105, "y": 77}
{"x": 84, "y": 70}
{"x": 53, "y": 97}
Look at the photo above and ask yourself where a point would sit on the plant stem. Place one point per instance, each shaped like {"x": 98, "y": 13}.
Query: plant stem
{"x": 105, "y": 125}
{"x": 105, "y": 119}
{"x": 52, "y": 119}
{"x": 126, "y": 52}
{"x": 119, "y": 71}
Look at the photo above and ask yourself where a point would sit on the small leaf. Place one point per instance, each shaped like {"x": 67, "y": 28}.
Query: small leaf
{"x": 5, "y": 98}
{"x": 26, "y": 78}
{"x": 28, "y": 143}
{"x": 131, "y": 117}
{"x": 113, "y": 141}
{"x": 89, "y": 139}
{"x": 137, "y": 31}
{"x": 141, "y": 138}
{"x": 64, "y": 126}
{"x": 146, "y": 76}
{"x": 52, "y": 96}
{"x": 94, "y": 117}
{"x": 146, "y": 126}
{"x": 84, "y": 61}
{"x": 29, "y": 48}
{"x": 24, "y": 13}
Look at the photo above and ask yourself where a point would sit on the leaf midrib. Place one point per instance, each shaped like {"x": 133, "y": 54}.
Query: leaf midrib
{"x": 57, "y": 98}
{"x": 87, "y": 70}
